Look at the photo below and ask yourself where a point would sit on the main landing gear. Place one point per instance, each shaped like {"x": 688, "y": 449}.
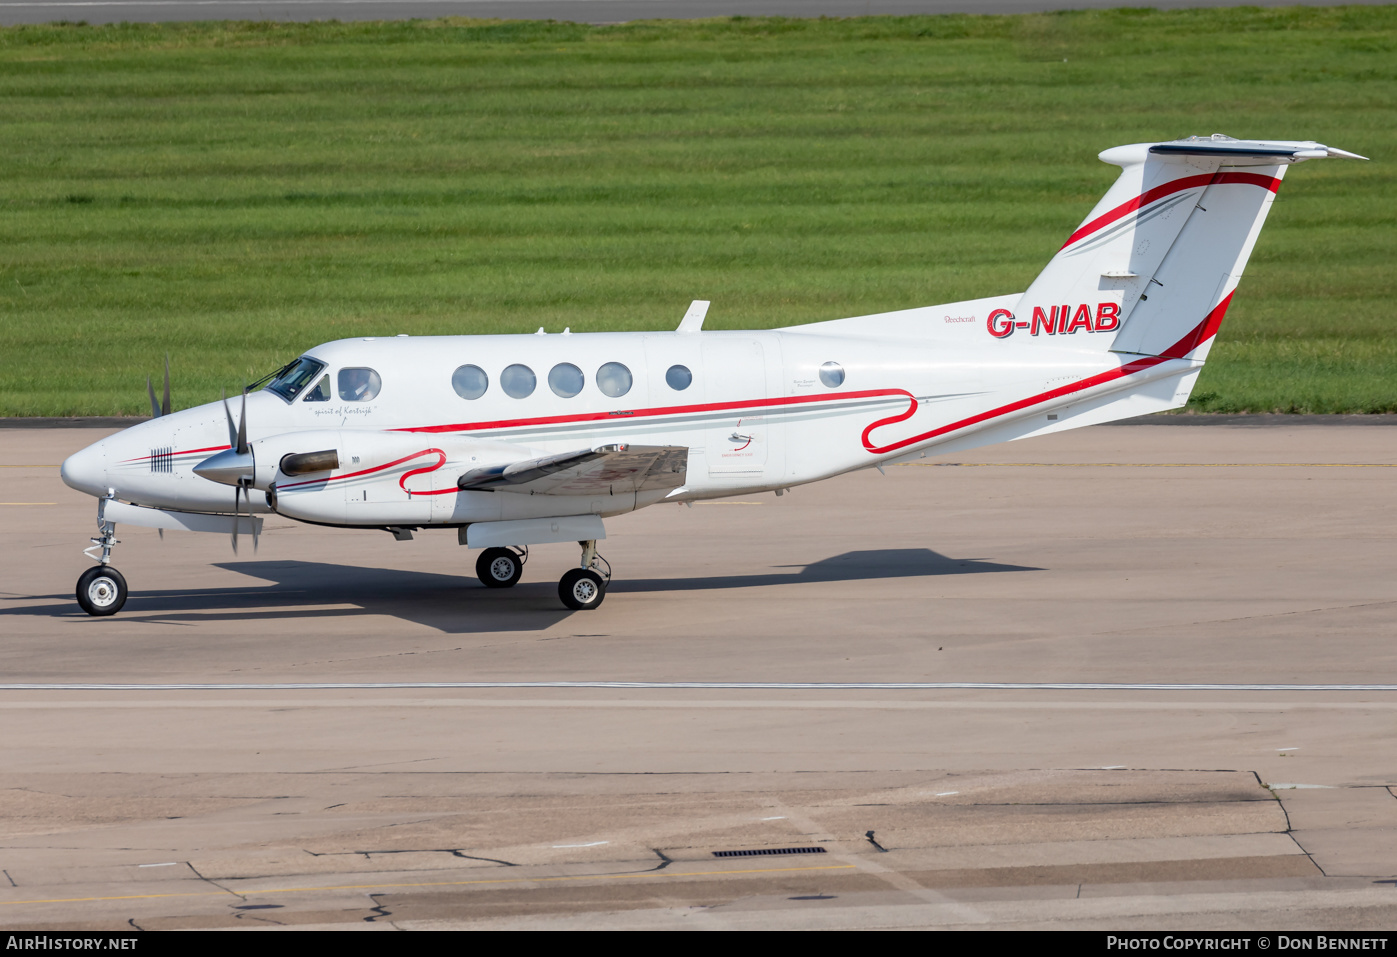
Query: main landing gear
{"x": 501, "y": 567}
{"x": 583, "y": 588}
{"x": 102, "y": 590}
{"x": 580, "y": 589}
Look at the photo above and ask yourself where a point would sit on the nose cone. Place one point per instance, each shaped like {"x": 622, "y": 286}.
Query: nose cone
{"x": 227, "y": 468}
{"x": 86, "y": 471}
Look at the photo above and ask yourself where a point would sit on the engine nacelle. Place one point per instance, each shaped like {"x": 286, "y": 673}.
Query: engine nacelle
{"x": 365, "y": 478}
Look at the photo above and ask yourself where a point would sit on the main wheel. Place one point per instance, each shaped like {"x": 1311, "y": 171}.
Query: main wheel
{"x": 101, "y": 590}
{"x": 499, "y": 568}
{"x": 581, "y": 589}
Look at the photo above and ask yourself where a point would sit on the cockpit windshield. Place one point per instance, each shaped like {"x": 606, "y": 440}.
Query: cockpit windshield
{"x": 292, "y": 380}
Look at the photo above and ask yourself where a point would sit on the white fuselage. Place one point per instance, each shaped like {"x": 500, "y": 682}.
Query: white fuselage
{"x": 756, "y": 415}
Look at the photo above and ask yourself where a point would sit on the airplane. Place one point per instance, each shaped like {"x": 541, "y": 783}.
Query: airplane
{"x": 522, "y": 440}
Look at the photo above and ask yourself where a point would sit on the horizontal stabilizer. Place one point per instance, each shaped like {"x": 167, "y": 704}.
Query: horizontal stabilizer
{"x": 606, "y": 469}
{"x": 1233, "y": 152}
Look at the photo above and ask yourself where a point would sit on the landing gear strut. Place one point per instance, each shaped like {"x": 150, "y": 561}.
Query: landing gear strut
{"x": 102, "y": 590}
{"x": 501, "y": 567}
{"x": 584, "y": 588}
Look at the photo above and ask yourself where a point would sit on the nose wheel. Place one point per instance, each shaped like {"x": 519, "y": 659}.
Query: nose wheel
{"x": 584, "y": 588}
{"x": 101, "y": 590}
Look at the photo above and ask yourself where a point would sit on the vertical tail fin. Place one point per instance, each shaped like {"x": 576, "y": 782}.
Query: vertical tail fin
{"x": 1156, "y": 262}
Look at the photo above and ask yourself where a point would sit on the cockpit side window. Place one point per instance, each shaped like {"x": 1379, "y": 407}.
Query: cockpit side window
{"x": 358, "y": 385}
{"x": 321, "y": 392}
{"x": 297, "y": 376}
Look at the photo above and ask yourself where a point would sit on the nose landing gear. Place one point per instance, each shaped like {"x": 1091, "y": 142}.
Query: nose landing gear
{"x": 584, "y": 588}
{"x": 102, "y": 590}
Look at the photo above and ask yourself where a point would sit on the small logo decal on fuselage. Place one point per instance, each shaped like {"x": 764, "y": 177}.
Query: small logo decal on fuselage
{"x": 1057, "y": 320}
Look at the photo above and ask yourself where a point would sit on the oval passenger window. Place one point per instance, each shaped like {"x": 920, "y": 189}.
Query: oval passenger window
{"x": 358, "y": 385}
{"x": 679, "y": 378}
{"x": 565, "y": 379}
{"x": 614, "y": 379}
{"x": 470, "y": 382}
{"x": 832, "y": 374}
{"x": 518, "y": 381}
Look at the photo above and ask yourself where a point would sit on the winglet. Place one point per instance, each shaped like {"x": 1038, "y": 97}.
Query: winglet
{"x": 693, "y": 319}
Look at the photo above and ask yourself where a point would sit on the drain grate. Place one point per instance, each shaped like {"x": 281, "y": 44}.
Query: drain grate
{"x": 770, "y": 851}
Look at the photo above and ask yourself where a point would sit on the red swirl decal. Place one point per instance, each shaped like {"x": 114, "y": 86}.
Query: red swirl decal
{"x": 441, "y": 460}
{"x": 891, "y": 420}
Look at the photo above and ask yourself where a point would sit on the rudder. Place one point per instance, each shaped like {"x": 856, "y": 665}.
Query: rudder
{"x": 1156, "y": 262}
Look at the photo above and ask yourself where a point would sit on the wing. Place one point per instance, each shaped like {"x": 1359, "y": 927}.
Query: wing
{"x": 607, "y": 468}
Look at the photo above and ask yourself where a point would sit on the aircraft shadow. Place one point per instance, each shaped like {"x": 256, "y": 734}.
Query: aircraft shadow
{"x": 458, "y": 604}
{"x": 851, "y": 566}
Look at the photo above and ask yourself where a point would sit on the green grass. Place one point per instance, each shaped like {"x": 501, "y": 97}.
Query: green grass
{"x": 234, "y": 193}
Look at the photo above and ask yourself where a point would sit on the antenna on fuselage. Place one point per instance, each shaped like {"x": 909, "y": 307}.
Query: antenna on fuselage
{"x": 693, "y": 319}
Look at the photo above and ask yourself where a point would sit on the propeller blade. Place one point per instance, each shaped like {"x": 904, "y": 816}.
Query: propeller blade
{"x": 154, "y": 406}
{"x": 237, "y": 492}
{"x": 232, "y": 432}
{"x": 253, "y": 520}
{"x": 165, "y": 406}
{"x": 242, "y": 428}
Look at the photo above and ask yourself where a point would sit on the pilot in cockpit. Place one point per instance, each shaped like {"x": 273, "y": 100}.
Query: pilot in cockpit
{"x": 355, "y": 384}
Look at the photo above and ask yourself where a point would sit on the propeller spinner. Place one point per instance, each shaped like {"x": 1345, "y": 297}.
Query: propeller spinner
{"x": 235, "y": 466}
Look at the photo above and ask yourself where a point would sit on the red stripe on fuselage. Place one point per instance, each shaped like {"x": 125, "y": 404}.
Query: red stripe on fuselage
{"x": 376, "y": 468}
{"x": 1196, "y": 336}
{"x": 211, "y": 448}
{"x": 1167, "y": 189}
{"x": 624, "y": 415}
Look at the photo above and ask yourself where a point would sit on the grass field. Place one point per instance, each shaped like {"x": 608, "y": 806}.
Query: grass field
{"x": 235, "y": 193}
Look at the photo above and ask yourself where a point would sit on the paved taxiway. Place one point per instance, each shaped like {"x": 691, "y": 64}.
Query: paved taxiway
{"x": 1122, "y": 555}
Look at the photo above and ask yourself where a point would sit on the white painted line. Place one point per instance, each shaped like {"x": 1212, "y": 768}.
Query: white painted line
{"x": 942, "y": 794}
{"x": 166, "y": 864}
{"x": 593, "y": 844}
{"x": 1287, "y": 749}
{"x": 1300, "y": 787}
{"x": 1114, "y": 767}
{"x": 687, "y": 685}
{"x": 782, "y": 818}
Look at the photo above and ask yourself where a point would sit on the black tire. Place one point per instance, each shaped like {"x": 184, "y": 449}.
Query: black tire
{"x": 101, "y": 590}
{"x": 581, "y": 589}
{"x": 499, "y": 568}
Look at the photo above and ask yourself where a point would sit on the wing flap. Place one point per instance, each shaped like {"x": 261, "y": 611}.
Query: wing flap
{"x": 606, "y": 469}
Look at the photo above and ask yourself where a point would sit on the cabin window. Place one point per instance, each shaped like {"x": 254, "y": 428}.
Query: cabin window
{"x": 614, "y": 379}
{"x": 832, "y": 374}
{"x": 470, "y": 382}
{"x": 359, "y": 384}
{"x": 679, "y": 378}
{"x": 518, "y": 381}
{"x": 565, "y": 379}
{"x": 294, "y": 378}
{"x": 321, "y": 393}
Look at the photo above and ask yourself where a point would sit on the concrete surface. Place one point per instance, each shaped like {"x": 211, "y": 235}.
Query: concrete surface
{"x": 1123, "y": 555}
